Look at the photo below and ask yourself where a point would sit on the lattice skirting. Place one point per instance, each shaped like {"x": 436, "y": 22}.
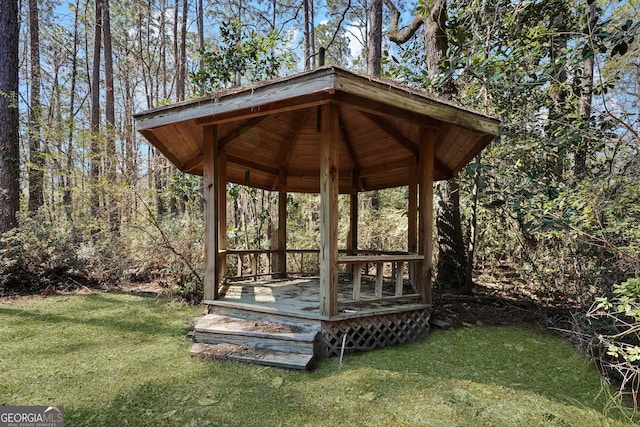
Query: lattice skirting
{"x": 366, "y": 333}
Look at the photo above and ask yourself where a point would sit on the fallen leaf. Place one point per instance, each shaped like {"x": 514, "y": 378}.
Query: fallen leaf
{"x": 206, "y": 401}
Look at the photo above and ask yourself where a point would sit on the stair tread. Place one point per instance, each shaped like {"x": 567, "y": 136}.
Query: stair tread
{"x": 226, "y": 325}
{"x": 243, "y": 354}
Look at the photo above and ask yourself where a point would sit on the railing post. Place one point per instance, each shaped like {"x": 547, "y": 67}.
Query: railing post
{"x": 254, "y": 265}
{"x": 399, "y": 278}
{"x": 357, "y": 272}
{"x": 379, "y": 278}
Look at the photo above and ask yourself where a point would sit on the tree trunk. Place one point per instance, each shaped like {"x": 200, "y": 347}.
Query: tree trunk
{"x": 9, "y": 142}
{"x": 36, "y": 158}
{"x": 473, "y": 226}
{"x": 312, "y": 34}
{"x": 67, "y": 200}
{"x": 435, "y": 38}
{"x": 374, "y": 41}
{"x": 374, "y": 63}
{"x": 110, "y": 160}
{"x": 159, "y": 181}
{"x": 200, "y": 34}
{"x": 307, "y": 31}
{"x": 452, "y": 260}
{"x": 95, "y": 114}
{"x": 586, "y": 95}
{"x": 182, "y": 55}
{"x": 130, "y": 152}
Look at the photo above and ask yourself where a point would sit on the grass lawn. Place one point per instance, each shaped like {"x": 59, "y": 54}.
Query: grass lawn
{"x": 116, "y": 360}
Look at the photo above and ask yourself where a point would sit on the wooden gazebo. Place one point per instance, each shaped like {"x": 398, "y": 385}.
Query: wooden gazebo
{"x": 332, "y": 132}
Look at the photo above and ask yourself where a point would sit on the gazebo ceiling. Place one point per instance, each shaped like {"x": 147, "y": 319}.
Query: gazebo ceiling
{"x": 271, "y": 129}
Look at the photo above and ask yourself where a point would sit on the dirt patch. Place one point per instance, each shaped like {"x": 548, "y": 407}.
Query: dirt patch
{"x": 499, "y": 305}
{"x": 278, "y": 328}
{"x": 218, "y": 351}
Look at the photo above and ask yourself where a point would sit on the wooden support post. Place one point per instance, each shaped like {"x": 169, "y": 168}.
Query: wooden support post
{"x": 210, "y": 175}
{"x": 399, "y": 278}
{"x": 412, "y": 220}
{"x": 352, "y": 244}
{"x": 379, "y": 277}
{"x": 357, "y": 273}
{"x": 425, "y": 177}
{"x": 329, "y": 131}
{"x": 239, "y": 265}
{"x": 282, "y": 225}
{"x": 222, "y": 215}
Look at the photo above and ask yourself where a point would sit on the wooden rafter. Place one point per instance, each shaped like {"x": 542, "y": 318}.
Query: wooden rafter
{"x": 156, "y": 142}
{"x": 384, "y": 110}
{"x": 392, "y": 132}
{"x": 239, "y": 131}
{"x": 353, "y": 159}
{"x": 300, "y": 118}
{"x": 252, "y": 165}
{"x": 191, "y": 164}
{"x": 400, "y": 164}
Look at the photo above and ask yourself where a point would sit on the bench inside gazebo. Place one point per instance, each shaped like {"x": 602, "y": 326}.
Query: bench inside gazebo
{"x": 327, "y": 131}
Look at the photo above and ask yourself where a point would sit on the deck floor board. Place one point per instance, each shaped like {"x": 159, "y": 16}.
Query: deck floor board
{"x": 301, "y": 297}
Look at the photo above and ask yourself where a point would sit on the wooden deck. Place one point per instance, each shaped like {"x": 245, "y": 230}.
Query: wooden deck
{"x": 278, "y": 322}
{"x": 300, "y": 297}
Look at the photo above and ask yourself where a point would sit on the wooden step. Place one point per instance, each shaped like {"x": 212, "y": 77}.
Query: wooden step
{"x": 304, "y": 323}
{"x": 245, "y": 354}
{"x": 261, "y": 334}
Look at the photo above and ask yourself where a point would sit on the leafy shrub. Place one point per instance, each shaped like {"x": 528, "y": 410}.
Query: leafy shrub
{"x": 610, "y": 332}
{"x": 65, "y": 255}
{"x": 40, "y": 253}
{"x": 170, "y": 250}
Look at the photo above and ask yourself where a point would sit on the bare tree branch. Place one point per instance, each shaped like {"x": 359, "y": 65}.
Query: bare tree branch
{"x": 402, "y": 36}
{"x": 342, "y": 18}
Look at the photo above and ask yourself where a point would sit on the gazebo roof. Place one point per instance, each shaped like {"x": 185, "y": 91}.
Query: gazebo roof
{"x": 273, "y": 126}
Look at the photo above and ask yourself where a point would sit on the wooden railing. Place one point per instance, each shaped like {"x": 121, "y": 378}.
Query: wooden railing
{"x": 257, "y": 263}
{"x": 261, "y": 262}
{"x": 397, "y": 261}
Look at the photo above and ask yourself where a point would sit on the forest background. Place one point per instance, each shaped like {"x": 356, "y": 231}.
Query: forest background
{"x": 552, "y": 206}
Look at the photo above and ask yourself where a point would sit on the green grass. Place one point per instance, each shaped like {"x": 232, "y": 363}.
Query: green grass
{"x": 117, "y": 360}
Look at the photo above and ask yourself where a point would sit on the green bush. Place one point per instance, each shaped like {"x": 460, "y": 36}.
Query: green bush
{"x": 39, "y": 253}
{"x": 610, "y": 332}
